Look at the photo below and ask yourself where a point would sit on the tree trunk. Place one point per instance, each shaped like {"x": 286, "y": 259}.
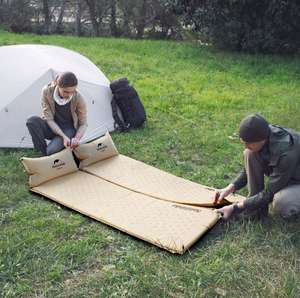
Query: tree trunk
{"x": 46, "y": 13}
{"x": 92, "y": 11}
{"x": 59, "y": 28}
{"x": 78, "y": 18}
{"x": 142, "y": 20}
{"x": 113, "y": 20}
{"x": 126, "y": 16}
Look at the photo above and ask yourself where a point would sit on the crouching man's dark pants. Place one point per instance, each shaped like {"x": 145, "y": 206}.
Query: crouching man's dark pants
{"x": 40, "y": 132}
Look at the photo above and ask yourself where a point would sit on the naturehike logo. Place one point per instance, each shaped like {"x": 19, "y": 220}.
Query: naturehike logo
{"x": 186, "y": 208}
{"x": 101, "y": 147}
{"x": 58, "y": 164}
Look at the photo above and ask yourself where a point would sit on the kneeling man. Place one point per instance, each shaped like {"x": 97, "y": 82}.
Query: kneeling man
{"x": 271, "y": 151}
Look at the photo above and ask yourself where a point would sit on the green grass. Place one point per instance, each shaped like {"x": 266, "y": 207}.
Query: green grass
{"x": 195, "y": 98}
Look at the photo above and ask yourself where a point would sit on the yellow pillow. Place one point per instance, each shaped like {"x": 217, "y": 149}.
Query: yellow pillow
{"x": 42, "y": 169}
{"x": 96, "y": 150}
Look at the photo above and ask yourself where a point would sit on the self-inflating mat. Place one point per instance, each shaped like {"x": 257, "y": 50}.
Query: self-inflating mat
{"x": 126, "y": 194}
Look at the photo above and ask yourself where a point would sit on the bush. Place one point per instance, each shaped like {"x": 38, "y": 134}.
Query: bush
{"x": 16, "y": 15}
{"x": 267, "y": 26}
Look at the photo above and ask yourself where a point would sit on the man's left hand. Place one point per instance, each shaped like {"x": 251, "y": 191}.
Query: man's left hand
{"x": 226, "y": 211}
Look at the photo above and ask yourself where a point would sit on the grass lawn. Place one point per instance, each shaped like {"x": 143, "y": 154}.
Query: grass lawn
{"x": 195, "y": 98}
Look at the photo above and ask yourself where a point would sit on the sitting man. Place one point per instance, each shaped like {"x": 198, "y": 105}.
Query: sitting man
{"x": 64, "y": 116}
{"x": 273, "y": 151}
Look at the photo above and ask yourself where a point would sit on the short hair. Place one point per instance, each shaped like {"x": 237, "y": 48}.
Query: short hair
{"x": 254, "y": 128}
{"x": 67, "y": 79}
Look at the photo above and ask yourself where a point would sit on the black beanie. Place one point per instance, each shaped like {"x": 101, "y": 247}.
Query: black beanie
{"x": 254, "y": 128}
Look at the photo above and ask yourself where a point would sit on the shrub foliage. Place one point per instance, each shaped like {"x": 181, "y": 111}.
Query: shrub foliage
{"x": 267, "y": 26}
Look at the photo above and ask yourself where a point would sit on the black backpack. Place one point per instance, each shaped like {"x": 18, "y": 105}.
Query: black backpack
{"x": 126, "y": 101}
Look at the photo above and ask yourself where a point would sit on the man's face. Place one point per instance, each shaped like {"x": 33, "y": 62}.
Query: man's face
{"x": 255, "y": 146}
{"x": 66, "y": 92}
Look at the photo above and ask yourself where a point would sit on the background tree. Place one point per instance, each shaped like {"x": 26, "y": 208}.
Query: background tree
{"x": 93, "y": 16}
{"x": 47, "y": 17}
{"x": 267, "y": 26}
{"x": 131, "y": 18}
{"x": 113, "y": 18}
{"x": 165, "y": 24}
{"x": 17, "y": 14}
{"x": 78, "y": 17}
{"x": 126, "y": 8}
{"x": 59, "y": 23}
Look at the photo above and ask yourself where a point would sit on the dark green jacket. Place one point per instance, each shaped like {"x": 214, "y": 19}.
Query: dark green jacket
{"x": 282, "y": 157}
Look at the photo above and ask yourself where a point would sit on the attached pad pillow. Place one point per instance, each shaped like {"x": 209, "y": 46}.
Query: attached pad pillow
{"x": 96, "y": 150}
{"x": 45, "y": 168}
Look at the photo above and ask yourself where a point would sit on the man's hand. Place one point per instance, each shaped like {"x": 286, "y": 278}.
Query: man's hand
{"x": 221, "y": 194}
{"x": 67, "y": 142}
{"x": 226, "y": 211}
{"x": 74, "y": 143}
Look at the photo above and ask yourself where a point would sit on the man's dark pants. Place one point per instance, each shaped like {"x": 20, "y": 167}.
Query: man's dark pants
{"x": 40, "y": 132}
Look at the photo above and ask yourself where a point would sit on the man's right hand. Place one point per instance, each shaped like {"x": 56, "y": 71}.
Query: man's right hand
{"x": 67, "y": 142}
{"x": 74, "y": 143}
{"x": 221, "y": 194}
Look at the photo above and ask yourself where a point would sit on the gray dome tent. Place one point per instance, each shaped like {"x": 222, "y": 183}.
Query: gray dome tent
{"x": 25, "y": 69}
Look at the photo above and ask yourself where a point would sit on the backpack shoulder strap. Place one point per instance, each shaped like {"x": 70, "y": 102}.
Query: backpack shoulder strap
{"x": 119, "y": 123}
